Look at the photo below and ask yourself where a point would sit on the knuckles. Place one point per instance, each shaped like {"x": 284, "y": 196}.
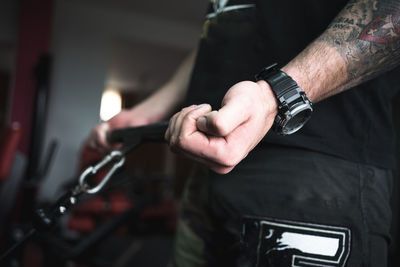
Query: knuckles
{"x": 187, "y": 109}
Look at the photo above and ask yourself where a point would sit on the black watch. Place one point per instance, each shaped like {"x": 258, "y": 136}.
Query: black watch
{"x": 294, "y": 108}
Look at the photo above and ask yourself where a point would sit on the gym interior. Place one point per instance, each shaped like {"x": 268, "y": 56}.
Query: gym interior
{"x": 65, "y": 66}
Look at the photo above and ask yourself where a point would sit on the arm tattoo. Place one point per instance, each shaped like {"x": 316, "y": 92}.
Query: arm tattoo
{"x": 366, "y": 33}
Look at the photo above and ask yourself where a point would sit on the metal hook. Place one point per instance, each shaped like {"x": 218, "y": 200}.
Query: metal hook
{"x": 92, "y": 170}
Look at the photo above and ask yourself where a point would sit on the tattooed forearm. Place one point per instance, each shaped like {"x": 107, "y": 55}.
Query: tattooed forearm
{"x": 366, "y": 33}
{"x": 362, "y": 42}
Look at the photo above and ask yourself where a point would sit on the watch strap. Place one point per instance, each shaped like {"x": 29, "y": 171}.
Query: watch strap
{"x": 280, "y": 82}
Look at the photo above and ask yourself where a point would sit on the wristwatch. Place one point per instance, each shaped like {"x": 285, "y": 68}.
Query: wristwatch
{"x": 294, "y": 108}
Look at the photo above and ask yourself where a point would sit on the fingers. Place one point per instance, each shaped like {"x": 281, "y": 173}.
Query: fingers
{"x": 225, "y": 120}
{"x": 184, "y": 123}
{"x": 102, "y": 135}
{"x": 189, "y": 127}
{"x": 184, "y": 137}
{"x": 98, "y": 138}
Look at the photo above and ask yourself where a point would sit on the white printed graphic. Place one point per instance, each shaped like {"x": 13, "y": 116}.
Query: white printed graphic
{"x": 327, "y": 246}
{"x": 292, "y": 244}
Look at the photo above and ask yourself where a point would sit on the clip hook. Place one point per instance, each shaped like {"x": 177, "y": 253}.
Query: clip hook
{"x": 92, "y": 170}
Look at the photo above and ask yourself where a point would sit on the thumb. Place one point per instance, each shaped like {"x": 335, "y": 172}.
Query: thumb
{"x": 223, "y": 121}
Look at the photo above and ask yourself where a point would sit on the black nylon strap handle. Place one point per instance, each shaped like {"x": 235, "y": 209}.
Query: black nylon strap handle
{"x": 131, "y": 137}
{"x": 152, "y": 132}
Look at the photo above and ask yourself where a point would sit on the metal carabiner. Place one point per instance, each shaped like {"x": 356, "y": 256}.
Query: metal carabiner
{"x": 92, "y": 170}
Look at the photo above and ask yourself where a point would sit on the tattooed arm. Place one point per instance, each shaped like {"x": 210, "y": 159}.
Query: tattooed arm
{"x": 362, "y": 42}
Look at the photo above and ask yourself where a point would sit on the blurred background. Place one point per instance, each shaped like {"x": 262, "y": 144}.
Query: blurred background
{"x": 64, "y": 66}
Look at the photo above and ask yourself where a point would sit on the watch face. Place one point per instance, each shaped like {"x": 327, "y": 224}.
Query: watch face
{"x": 299, "y": 115}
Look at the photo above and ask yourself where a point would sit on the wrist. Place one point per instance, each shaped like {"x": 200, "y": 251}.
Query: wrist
{"x": 270, "y": 98}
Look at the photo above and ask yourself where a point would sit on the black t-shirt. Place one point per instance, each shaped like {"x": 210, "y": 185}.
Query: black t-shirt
{"x": 241, "y": 37}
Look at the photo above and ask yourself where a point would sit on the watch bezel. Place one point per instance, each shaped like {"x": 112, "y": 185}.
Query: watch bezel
{"x": 281, "y": 122}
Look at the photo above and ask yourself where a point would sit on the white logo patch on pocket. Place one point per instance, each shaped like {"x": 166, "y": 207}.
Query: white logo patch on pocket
{"x": 282, "y": 243}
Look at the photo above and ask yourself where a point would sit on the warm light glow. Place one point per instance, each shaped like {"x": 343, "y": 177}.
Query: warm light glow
{"x": 110, "y": 104}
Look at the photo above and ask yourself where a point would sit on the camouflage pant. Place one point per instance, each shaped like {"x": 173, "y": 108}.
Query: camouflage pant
{"x": 286, "y": 207}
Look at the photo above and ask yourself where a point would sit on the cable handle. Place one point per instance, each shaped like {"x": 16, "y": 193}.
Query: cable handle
{"x": 130, "y": 138}
{"x": 148, "y": 133}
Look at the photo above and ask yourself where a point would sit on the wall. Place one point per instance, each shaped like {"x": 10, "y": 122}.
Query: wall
{"x": 8, "y": 21}
{"x": 83, "y": 37}
{"x": 8, "y": 38}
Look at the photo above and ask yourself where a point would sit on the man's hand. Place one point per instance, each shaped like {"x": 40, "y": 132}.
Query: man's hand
{"x": 97, "y": 139}
{"x": 221, "y": 139}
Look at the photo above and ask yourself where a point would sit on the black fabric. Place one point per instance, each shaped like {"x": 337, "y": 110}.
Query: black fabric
{"x": 354, "y": 125}
{"x": 318, "y": 192}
